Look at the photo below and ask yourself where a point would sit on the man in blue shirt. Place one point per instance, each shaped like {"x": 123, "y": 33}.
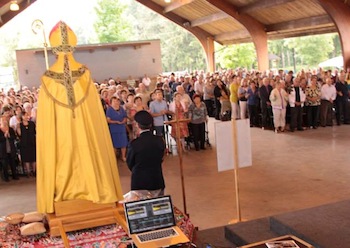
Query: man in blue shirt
{"x": 159, "y": 111}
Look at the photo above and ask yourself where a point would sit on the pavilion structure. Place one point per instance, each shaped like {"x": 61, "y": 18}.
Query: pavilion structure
{"x": 257, "y": 21}
{"x": 239, "y": 21}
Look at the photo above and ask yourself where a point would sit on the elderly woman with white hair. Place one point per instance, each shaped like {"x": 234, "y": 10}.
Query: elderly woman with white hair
{"x": 185, "y": 98}
{"x": 28, "y": 107}
{"x": 243, "y": 97}
{"x": 279, "y": 98}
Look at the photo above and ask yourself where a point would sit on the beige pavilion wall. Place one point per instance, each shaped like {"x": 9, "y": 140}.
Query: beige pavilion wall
{"x": 129, "y": 59}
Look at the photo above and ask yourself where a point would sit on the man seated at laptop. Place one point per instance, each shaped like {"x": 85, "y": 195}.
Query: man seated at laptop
{"x": 145, "y": 156}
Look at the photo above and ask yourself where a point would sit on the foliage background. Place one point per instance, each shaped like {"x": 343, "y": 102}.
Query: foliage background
{"x": 103, "y": 21}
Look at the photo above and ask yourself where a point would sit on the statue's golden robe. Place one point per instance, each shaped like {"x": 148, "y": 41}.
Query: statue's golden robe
{"x": 75, "y": 156}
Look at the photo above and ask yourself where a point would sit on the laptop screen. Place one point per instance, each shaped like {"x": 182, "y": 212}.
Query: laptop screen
{"x": 150, "y": 214}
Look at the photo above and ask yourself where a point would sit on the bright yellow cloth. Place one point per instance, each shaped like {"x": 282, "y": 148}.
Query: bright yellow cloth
{"x": 234, "y": 92}
{"x": 75, "y": 156}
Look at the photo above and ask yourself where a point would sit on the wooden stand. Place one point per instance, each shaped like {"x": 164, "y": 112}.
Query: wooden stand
{"x": 176, "y": 123}
{"x": 81, "y": 214}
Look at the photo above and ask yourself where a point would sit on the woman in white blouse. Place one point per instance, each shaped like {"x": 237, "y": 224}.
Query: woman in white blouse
{"x": 279, "y": 98}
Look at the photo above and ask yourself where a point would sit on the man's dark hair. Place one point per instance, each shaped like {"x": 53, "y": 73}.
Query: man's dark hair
{"x": 5, "y": 109}
{"x": 144, "y": 127}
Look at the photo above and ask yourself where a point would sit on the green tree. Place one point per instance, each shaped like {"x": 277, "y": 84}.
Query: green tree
{"x": 337, "y": 46}
{"x": 278, "y": 48}
{"x": 180, "y": 49}
{"x": 233, "y": 56}
{"x": 311, "y": 50}
{"x": 8, "y": 53}
{"x": 110, "y": 25}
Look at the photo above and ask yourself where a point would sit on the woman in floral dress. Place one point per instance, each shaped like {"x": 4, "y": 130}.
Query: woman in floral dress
{"x": 138, "y": 106}
{"x": 179, "y": 113}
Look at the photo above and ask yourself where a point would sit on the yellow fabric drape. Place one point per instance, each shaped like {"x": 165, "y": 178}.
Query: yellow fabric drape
{"x": 75, "y": 156}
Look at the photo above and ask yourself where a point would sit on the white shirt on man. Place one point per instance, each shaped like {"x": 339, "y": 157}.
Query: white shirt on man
{"x": 146, "y": 81}
{"x": 199, "y": 87}
{"x": 328, "y": 92}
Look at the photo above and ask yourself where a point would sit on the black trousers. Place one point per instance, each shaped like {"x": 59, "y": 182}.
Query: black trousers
{"x": 296, "y": 117}
{"x": 266, "y": 112}
{"x": 198, "y": 131}
{"x": 8, "y": 162}
{"x": 210, "y": 107}
{"x": 253, "y": 115}
{"x": 217, "y": 109}
{"x": 341, "y": 111}
{"x": 326, "y": 113}
{"x": 313, "y": 115}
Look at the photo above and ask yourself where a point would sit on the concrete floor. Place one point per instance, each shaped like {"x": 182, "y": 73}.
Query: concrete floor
{"x": 290, "y": 171}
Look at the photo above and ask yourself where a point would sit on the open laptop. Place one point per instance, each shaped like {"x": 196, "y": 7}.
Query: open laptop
{"x": 151, "y": 223}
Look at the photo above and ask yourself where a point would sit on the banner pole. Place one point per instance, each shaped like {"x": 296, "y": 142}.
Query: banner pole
{"x": 235, "y": 155}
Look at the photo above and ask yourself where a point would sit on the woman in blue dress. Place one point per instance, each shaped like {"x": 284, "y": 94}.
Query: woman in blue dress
{"x": 116, "y": 118}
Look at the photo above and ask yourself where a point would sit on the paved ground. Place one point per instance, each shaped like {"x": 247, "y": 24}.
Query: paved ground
{"x": 290, "y": 171}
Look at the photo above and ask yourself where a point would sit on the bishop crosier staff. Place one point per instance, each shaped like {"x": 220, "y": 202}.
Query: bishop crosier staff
{"x": 38, "y": 26}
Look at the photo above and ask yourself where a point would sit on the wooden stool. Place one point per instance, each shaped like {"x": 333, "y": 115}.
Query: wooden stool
{"x": 75, "y": 215}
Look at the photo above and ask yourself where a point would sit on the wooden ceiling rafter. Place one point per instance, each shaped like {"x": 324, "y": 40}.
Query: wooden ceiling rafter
{"x": 262, "y": 4}
{"x": 240, "y": 21}
{"x": 176, "y": 19}
{"x": 176, "y": 4}
{"x": 209, "y": 18}
{"x": 244, "y": 19}
{"x": 282, "y": 35}
{"x": 6, "y": 17}
{"x": 300, "y": 23}
{"x": 231, "y": 21}
{"x": 253, "y": 26}
{"x": 230, "y": 35}
{"x": 3, "y": 3}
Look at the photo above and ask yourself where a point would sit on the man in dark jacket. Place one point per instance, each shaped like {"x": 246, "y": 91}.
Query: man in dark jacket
{"x": 265, "y": 104}
{"x": 342, "y": 100}
{"x": 145, "y": 156}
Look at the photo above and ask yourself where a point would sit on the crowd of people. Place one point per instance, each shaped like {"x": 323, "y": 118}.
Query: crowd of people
{"x": 279, "y": 101}
{"x": 165, "y": 100}
{"x": 18, "y": 133}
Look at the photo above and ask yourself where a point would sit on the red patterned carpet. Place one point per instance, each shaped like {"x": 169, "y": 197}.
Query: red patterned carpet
{"x": 100, "y": 237}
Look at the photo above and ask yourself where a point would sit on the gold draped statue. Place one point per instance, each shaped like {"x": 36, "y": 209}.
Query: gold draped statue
{"x": 75, "y": 157}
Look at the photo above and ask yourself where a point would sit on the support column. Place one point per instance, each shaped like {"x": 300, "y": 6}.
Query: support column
{"x": 208, "y": 46}
{"x": 260, "y": 42}
{"x": 254, "y": 27}
{"x": 340, "y": 13}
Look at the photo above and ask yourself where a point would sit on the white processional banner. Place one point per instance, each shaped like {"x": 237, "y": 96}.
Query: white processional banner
{"x": 225, "y": 144}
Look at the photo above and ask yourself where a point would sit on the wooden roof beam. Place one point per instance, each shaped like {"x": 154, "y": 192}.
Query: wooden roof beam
{"x": 301, "y": 33}
{"x": 3, "y": 3}
{"x": 205, "y": 38}
{"x": 300, "y": 23}
{"x": 283, "y": 35}
{"x": 232, "y": 35}
{"x": 262, "y": 4}
{"x": 176, "y": 4}
{"x": 255, "y": 28}
{"x": 339, "y": 11}
{"x": 210, "y": 18}
{"x": 10, "y": 14}
{"x": 175, "y": 18}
